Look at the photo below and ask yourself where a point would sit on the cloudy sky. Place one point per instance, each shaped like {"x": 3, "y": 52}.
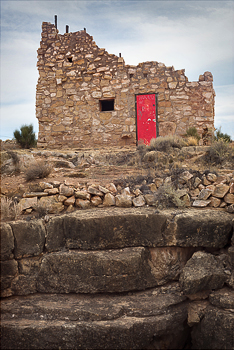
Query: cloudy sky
{"x": 195, "y": 35}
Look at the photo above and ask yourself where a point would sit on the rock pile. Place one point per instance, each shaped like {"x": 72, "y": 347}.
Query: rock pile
{"x": 184, "y": 190}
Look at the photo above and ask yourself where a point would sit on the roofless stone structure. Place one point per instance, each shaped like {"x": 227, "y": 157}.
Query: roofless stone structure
{"x": 88, "y": 97}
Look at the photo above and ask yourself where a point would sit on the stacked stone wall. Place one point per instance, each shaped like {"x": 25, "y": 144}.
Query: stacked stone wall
{"x": 75, "y": 74}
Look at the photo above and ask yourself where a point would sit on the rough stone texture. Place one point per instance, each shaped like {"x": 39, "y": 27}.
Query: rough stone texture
{"x": 26, "y": 203}
{"x": 92, "y": 272}
{"x": 223, "y": 298}
{"x": 9, "y": 269}
{"x": 196, "y": 311}
{"x": 123, "y": 200}
{"x": 7, "y": 242}
{"x": 215, "y": 331}
{"x": 221, "y": 190}
{"x": 202, "y": 272}
{"x": 135, "y": 321}
{"x": 52, "y": 204}
{"x": 29, "y": 238}
{"x": 109, "y": 200}
{"x": 75, "y": 75}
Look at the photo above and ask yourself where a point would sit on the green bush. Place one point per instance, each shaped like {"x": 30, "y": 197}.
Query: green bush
{"x": 221, "y": 136}
{"x": 26, "y": 136}
{"x": 192, "y": 131}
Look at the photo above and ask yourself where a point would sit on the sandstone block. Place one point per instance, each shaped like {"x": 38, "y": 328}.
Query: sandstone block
{"x": 51, "y": 191}
{"x": 95, "y": 271}
{"x": 211, "y": 177}
{"x": 214, "y": 202}
{"x": 202, "y": 272}
{"x": 94, "y": 191}
{"x": 7, "y": 242}
{"x": 9, "y": 270}
{"x": 29, "y": 238}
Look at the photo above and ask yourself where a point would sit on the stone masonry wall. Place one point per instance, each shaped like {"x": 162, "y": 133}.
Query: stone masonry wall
{"x": 75, "y": 74}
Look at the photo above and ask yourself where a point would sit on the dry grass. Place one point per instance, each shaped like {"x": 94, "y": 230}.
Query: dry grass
{"x": 192, "y": 141}
{"x": 38, "y": 170}
{"x": 10, "y": 210}
{"x": 164, "y": 144}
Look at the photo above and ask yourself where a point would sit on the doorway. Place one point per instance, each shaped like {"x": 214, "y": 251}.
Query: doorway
{"x": 146, "y": 117}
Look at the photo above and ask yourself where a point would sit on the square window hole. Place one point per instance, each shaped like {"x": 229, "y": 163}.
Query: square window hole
{"x": 106, "y": 105}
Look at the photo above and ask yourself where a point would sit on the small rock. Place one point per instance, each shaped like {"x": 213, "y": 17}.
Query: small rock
{"x": 223, "y": 205}
{"x": 205, "y": 194}
{"x": 56, "y": 184}
{"x": 150, "y": 199}
{"x": 112, "y": 188}
{"x": 82, "y": 203}
{"x": 197, "y": 182}
{"x": 158, "y": 182}
{"x": 94, "y": 191}
{"x": 137, "y": 192}
{"x": 65, "y": 190}
{"x": 230, "y": 209}
{"x": 126, "y": 191}
{"x": 201, "y": 203}
{"x": 103, "y": 189}
{"x": 205, "y": 181}
{"x": 194, "y": 193}
{"x": 232, "y": 188}
{"x": 123, "y": 201}
{"x": 51, "y": 191}
{"x": 214, "y": 202}
{"x": 200, "y": 187}
{"x": 138, "y": 201}
{"x": 51, "y": 204}
{"x": 82, "y": 195}
{"x": 70, "y": 201}
{"x": 211, "y": 177}
{"x": 70, "y": 209}
{"x": 152, "y": 187}
{"x": 61, "y": 198}
{"x": 109, "y": 200}
{"x": 96, "y": 200}
{"x": 26, "y": 203}
{"x": 184, "y": 177}
{"x": 35, "y": 194}
{"x": 229, "y": 198}
{"x": 45, "y": 185}
{"x": 221, "y": 190}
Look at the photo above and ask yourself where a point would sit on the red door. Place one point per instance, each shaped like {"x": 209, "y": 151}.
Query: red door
{"x": 146, "y": 118}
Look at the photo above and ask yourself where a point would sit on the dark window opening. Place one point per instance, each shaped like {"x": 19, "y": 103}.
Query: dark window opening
{"x": 69, "y": 59}
{"x": 106, "y": 105}
{"x": 145, "y": 75}
{"x": 131, "y": 75}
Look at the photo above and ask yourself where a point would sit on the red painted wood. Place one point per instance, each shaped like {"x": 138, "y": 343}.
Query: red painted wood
{"x": 146, "y": 118}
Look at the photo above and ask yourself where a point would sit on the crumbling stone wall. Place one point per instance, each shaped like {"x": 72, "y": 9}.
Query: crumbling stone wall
{"x": 75, "y": 75}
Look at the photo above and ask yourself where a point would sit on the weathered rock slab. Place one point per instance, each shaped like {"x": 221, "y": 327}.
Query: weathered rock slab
{"x": 95, "y": 271}
{"x": 49, "y": 321}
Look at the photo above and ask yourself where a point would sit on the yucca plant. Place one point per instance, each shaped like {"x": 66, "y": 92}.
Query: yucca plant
{"x": 26, "y": 136}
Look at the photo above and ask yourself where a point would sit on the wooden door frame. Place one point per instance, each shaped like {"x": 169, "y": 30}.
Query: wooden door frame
{"x": 156, "y": 107}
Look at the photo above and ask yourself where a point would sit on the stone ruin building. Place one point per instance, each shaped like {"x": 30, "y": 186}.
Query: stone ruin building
{"x": 87, "y": 97}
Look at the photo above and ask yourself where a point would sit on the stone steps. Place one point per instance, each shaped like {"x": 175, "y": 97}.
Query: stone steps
{"x": 99, "y": 321}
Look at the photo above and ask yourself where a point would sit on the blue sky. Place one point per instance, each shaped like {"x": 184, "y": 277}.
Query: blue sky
{"x": 197, "y": 36}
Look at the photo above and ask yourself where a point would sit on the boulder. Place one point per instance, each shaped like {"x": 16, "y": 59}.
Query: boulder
{"x": 70, "y": 201}
{"x": 96, "y": 200}
{"x": 202, "y": 272}
{"x": 82, "y": 195}
{"x": 26, "y": 203}
{"x": 82, "y": 203}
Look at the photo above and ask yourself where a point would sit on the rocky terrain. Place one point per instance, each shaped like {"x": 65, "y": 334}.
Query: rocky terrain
{"x": 117, "y": 249}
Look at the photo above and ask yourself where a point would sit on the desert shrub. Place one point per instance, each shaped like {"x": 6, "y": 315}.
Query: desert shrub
{"x": 192, "y": 131}
{"x": 26, "y": 136}
{"x": 167, "y": 197}
{"x": 38, "y": 170}
{"x": 192, "y": 141}
{"x": 41, "y": 210}
{"x": 221, "y": 136}
{"x": 165, "y": 143}
{"x": 219, "y": 153}
{"x": 10, "y": 209}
